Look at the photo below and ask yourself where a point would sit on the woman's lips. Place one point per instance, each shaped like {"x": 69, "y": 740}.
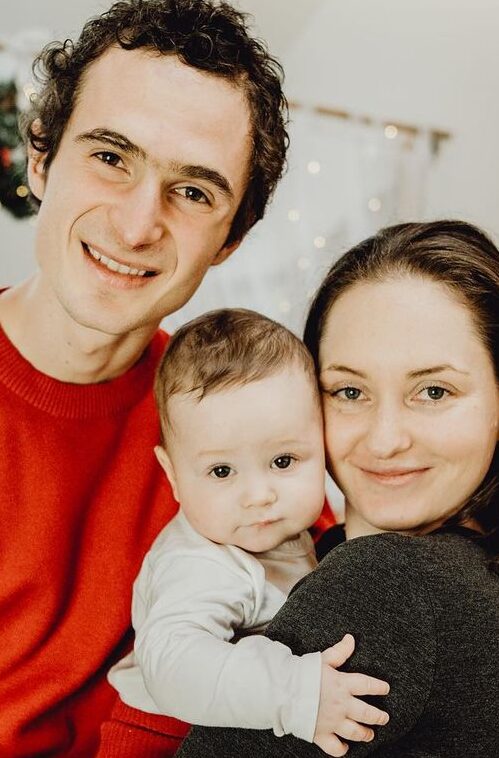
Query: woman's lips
{"x": 394, "y": 477}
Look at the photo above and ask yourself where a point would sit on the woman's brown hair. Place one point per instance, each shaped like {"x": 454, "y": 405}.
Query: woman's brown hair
{"x": 459, "y": 256}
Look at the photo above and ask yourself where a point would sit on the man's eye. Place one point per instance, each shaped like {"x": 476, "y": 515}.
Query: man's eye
{"x": 220, "y": 472}
{"x": 282, "y": 461}
{"x": 348, "y": 393}
{"x": 193, "y": 194}
{"x": 110, "y": 159}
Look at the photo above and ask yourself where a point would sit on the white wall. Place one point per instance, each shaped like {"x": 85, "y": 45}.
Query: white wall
{"x": 432, "y": 63}
{"x": 428, "y": 62}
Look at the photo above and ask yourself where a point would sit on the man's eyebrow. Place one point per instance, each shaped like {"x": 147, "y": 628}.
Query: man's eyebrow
{"x": 206, "y": 174}
{"x": 115, "y": 139}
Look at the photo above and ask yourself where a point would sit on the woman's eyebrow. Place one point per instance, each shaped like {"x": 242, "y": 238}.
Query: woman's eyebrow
{"x": 115, "y": 139}
{"x": 343, "y": 369}
{"x": 435, "y": 370}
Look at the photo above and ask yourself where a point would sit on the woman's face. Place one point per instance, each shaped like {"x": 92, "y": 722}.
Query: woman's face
{"x": 411, "y": 404}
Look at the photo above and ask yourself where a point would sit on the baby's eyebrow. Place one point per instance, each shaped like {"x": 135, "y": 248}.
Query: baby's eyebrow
{"x": 213, "y": 453}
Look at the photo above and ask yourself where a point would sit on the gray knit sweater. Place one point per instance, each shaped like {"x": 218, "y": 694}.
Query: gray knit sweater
{"x": 425, "y": 615}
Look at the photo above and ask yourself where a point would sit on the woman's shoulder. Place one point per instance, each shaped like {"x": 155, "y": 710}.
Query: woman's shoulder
{"x": 445, "y": 554}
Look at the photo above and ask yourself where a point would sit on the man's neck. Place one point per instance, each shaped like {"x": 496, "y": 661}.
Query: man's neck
{"x": 61, "y": 348}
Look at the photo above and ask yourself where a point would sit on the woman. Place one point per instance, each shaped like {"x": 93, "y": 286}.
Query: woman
{"x": 404, "y": 334}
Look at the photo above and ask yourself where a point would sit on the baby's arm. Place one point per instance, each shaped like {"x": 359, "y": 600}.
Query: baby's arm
{"x": 191, "y": 669}
{"x": 194, "y": 673}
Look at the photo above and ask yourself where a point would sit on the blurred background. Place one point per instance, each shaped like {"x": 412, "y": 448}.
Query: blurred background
{"x": 394, "y": 117}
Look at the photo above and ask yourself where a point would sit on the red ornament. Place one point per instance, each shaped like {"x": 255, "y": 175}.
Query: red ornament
{"x": 5, "y": 158}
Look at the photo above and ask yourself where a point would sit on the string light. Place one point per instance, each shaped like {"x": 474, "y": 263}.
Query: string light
{"x": 29, "y": 92}
{"x": 294, "y": 215}
{"x": 374, "y": 204}
{"x": 319, "y": 242}
{"x": 391, "y": 131}
{"x": 313, "y": 167}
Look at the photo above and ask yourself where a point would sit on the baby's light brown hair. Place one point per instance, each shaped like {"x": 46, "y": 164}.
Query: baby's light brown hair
{"x": 225, "y": 348}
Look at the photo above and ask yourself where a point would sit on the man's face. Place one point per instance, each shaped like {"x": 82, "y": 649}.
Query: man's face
{"x": 139, "y": 199}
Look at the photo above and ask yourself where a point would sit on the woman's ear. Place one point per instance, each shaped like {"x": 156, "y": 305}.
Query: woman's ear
{"x": 167, "y": 466}
{"x": 36, "y": 166}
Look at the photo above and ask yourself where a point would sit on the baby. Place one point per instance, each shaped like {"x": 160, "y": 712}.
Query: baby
{"x": 242, "y": 445}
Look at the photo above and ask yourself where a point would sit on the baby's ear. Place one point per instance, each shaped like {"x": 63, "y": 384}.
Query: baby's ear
{"x": 167, "y": 466}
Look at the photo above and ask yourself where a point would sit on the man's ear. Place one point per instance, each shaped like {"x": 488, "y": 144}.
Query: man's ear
{"x": 37, "y": 176}
{"x": 167, "y": 466}
{"x": 224, "y": 252}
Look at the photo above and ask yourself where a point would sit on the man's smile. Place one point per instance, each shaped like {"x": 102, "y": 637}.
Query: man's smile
{"x": 117, "y": 267}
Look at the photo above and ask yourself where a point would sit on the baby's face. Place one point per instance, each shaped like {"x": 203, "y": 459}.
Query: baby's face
{"x": 247, "y": 462}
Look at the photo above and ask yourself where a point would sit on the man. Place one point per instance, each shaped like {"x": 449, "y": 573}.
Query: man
{"x": 154, "y": 145}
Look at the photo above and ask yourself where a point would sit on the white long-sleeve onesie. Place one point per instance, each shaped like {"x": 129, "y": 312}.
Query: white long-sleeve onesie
{"x": 190, "y": 599}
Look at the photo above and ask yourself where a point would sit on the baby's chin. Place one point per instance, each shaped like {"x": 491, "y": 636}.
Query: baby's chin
{"x": 262, "y": 538}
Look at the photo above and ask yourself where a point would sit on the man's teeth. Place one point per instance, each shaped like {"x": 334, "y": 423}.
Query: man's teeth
{"x": 114, "y": 265}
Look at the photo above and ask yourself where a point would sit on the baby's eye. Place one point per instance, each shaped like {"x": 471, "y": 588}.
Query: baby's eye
{"x": 348, "y": 393}
{"x": 220, "y": 472}
{"x": 282, "y": 461}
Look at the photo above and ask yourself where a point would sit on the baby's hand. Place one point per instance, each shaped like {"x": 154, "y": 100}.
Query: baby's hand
{"x": 341, "y": 714}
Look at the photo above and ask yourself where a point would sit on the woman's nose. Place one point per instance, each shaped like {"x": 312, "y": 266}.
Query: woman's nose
{"x": 137, "y": 215}
{"x": 388, "y": 432}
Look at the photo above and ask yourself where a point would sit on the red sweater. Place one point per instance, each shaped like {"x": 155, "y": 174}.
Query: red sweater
{"x": 81, "y": 499}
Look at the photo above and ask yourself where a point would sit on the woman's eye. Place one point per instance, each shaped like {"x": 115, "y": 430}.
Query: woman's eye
{"x": 434, "y": 392}
{"x": 220, "y": 472}
{"x": 110, "y": 159}
{"x": 282, "y": 461}
{"x": 348, "y": 393}
{"x": 193, "y": 194}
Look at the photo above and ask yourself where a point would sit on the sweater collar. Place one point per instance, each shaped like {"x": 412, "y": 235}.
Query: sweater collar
{"x": 71, "y": 401}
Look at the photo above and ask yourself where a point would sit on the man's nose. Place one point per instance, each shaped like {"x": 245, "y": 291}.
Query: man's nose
{"x": 138, "y": 215}
{"x": 388, "y": 432}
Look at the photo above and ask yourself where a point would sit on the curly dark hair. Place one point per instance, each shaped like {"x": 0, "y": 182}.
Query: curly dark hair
{"x": 464, "y": 259}
{"x": 209, "y": 35}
